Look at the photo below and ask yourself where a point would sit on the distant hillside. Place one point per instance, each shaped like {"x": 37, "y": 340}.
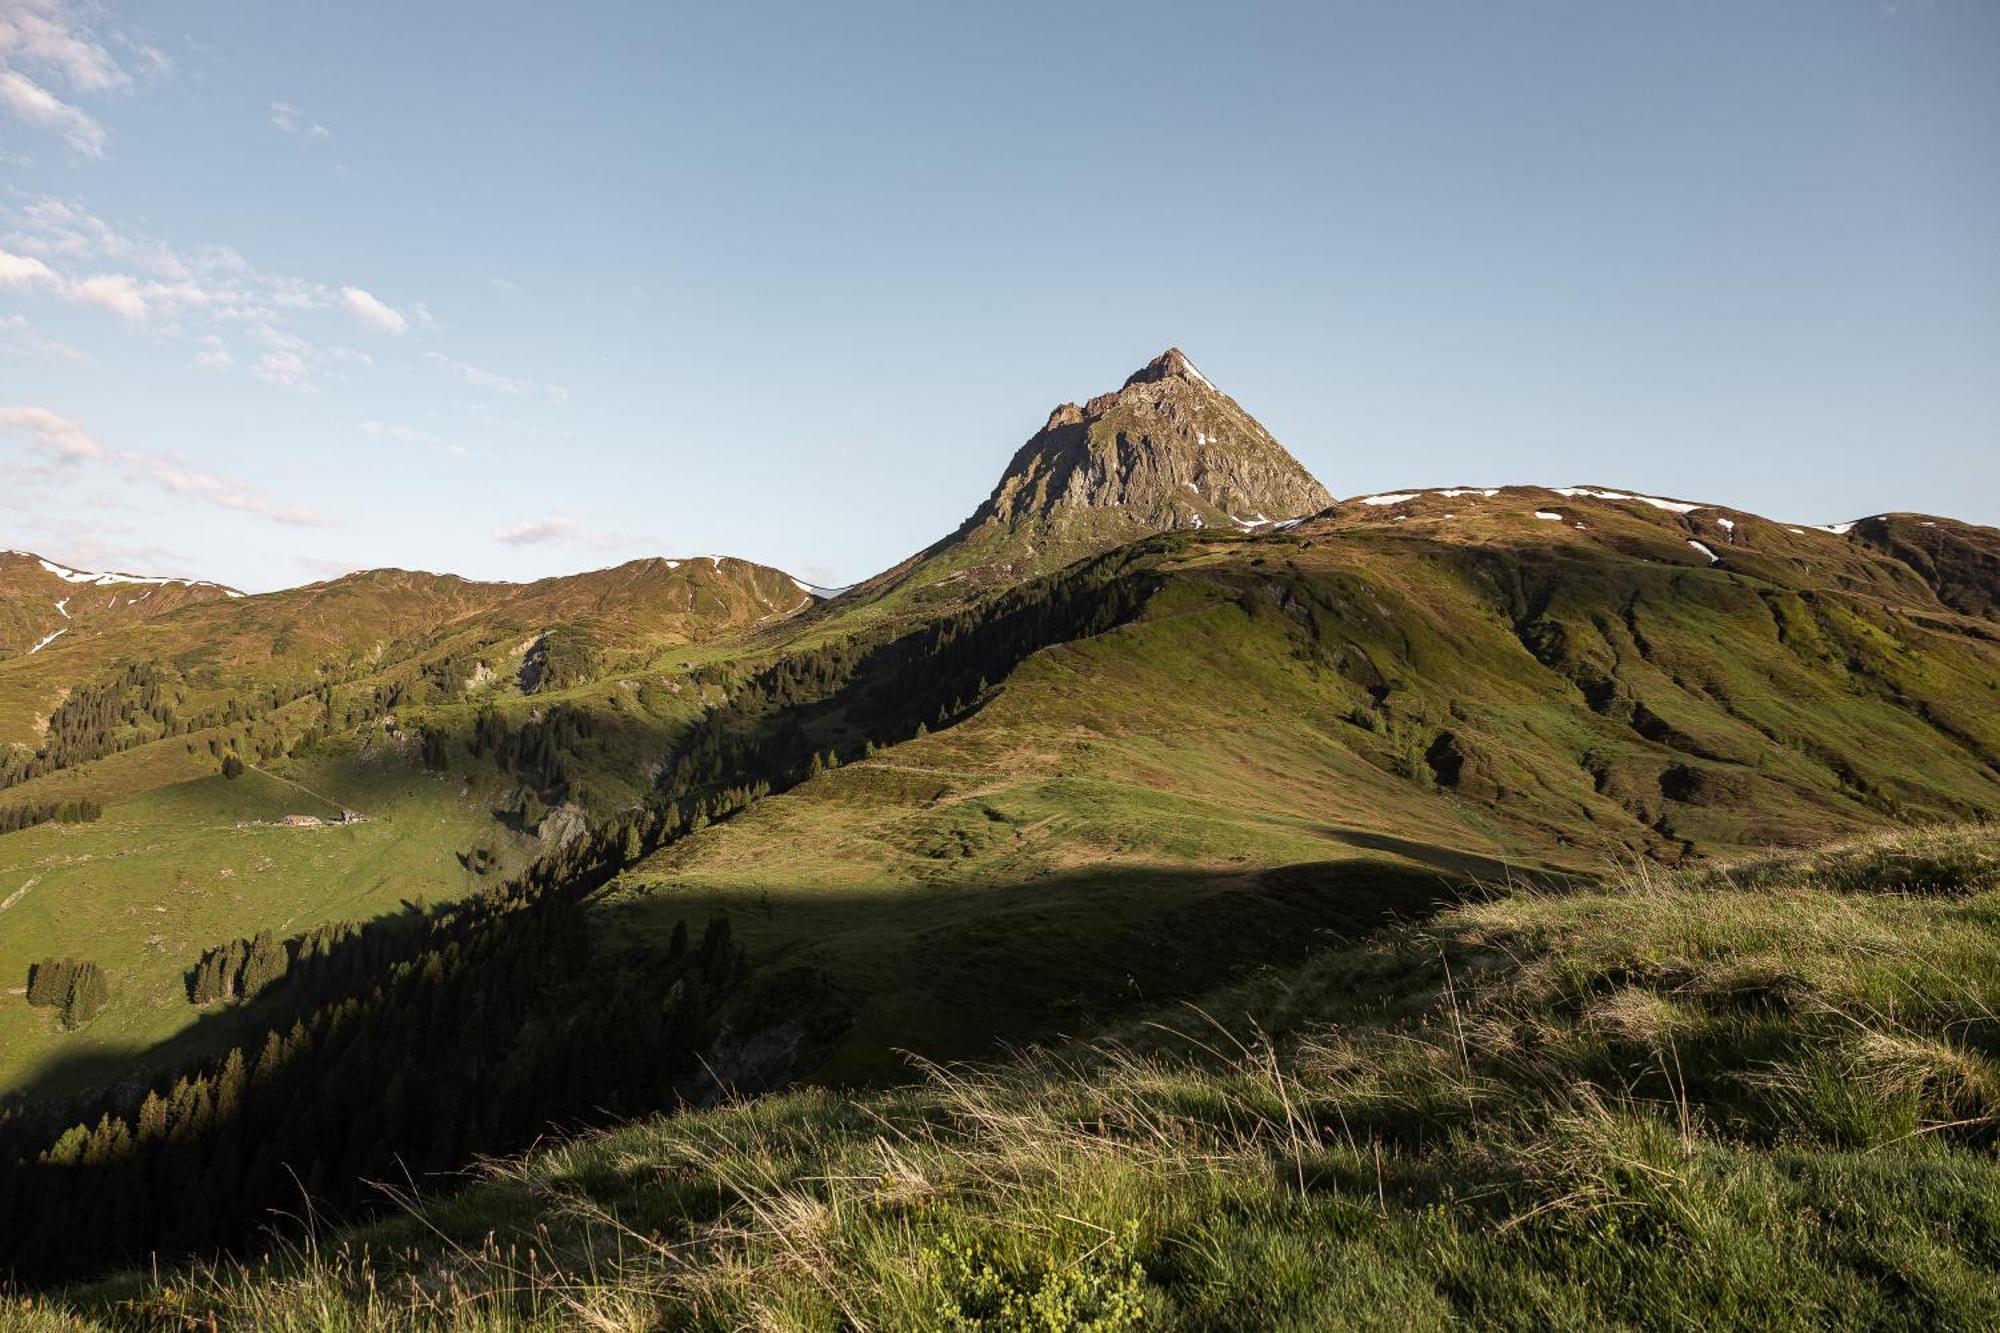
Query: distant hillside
{"x": 42, "y": 602}
{"x": 1160, "y": 714}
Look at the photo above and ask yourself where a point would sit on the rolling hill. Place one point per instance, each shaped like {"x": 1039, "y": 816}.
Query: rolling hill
{"x": 1158, "y": 715}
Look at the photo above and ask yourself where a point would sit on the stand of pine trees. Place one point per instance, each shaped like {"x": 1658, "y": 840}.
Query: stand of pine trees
{"x": 861, "y": 692}
{"x": 413, "y": 1048}
{"x": 16, "y": 818}
{"x": 415, "y": 1043}
{"x": 77, "y": 990}
{"x": 239, "y": 969}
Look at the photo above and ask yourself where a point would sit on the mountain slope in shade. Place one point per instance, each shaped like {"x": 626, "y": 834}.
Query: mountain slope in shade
{"x": 43, "y": 603}
{"x": 1166, "y": 451}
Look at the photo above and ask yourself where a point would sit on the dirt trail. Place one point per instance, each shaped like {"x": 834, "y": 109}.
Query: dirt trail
{"x": 300, "y": 787}
{"x": 19, "y": 893}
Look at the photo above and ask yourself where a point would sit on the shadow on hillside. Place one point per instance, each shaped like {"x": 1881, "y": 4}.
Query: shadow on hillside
{"x": 1470, "y": 865}
{"x": 957, "y": 971}
{"x": 961, "y": 971}
{"x": 60, "y": 1079}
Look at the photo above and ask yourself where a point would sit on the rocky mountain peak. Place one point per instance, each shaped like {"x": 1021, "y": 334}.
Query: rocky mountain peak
{"x": 1170, "y": 364}
{"x": 1165, "y": 450}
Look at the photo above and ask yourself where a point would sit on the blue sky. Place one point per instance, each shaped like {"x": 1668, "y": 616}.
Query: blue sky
{"x": 504, "y": 289}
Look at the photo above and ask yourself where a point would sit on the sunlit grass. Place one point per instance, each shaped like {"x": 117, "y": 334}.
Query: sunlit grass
{"x": 1748, "y": 1098}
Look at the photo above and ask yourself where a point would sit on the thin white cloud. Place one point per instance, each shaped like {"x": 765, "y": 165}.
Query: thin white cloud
{"x": 286, "y": 117}
{"x": 63, "y": 439}
{"x": 51, "y": 433}
{"x": 18, "y": 337}
{"x": 412, "y": 436}
{"x": 35, "y": 105}
{"x": 393, "y": 430}
{"x": 23, "y": 270}
{"x": 48, "y": 34}
{"x": 480, "y": 378}
{"x": 286, "y": 369}
{"x": 535, "y": 531}
{"x": 117, "y": 292}
{"x": 209, "y": 294}
{"x": 214, "y": 354}
{"x": 372, "y": 313}
{"x": 52, "y": 39}
{"x": 176, "y": 477}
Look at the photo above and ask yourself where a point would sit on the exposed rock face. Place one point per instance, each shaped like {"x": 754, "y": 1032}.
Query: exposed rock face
{"x": 1168, "y": 449}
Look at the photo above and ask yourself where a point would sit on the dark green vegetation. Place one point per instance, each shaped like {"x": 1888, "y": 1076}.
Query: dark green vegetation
{"x": 75, "y": 990}
{"x": 426, "y": 856}
{"x": 1750, "y": 1096}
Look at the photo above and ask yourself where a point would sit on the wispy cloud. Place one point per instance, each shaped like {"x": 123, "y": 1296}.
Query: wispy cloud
{"x": 24, "y": 271}
{"x": 481, "y": 378}
{"x": 174, "y": 475}
{"x": 53, "y": 40}
{"x": 395, "y": 430}
{"x": 35, "y": 105}
{"x": 371, "y": 312}
{"x": 50, "y": 433}
{"x": 64, "y": 440}
{"x": 535, "y": 531}
{"x": 214, "y": 354}
{"x": 117, "y": 292}
{"x": 410, "y": 435}
{"x": 208, "y": 294}
{"x": 18, "y": 337}
{"x": 286, "y": 117}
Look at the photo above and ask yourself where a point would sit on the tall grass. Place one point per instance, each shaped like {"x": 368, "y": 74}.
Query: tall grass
{"x": 1762, "y": 1096}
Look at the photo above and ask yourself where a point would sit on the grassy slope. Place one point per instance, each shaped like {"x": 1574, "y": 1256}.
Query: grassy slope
{"x": 1204, "y": 787}
{"x": 1753, "y": 1097}
{"x": 168, "y": 839}
{"x": 167, "y": 874}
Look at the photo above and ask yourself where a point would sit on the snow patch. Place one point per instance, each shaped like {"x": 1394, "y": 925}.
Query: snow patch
{"x": 1488, "y": 491}
{"x": 1393, "y": 499}
{"x": 51, "y": 639}
{"x": 1671, "y": 506}
{"x": 1728, "y": 524}
{"x": 1800, "y": 531}
{"x": 1713, "y": 558}
{"x": 1837, "y": 529}
{"x": 68, "y": 575}
{"x": 63, "y": 607}
{"x": 813, "y": 589}
{"x": 1553, "y": 518}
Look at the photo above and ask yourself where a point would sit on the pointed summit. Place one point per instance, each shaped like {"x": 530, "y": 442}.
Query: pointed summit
{"x": 1166, "y": 450}
{"x": 1172, "y": 363}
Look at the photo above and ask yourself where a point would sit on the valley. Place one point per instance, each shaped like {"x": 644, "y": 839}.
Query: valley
{"x": 1160, "y": 721}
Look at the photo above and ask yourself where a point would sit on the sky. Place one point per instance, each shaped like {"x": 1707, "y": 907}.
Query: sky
{"x": 290, "y": 288}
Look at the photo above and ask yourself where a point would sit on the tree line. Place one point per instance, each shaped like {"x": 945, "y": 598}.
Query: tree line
{"x": 15, "y": 818}
{"x": 416, "y": 1042}
{"x": 408, "y": 1047}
